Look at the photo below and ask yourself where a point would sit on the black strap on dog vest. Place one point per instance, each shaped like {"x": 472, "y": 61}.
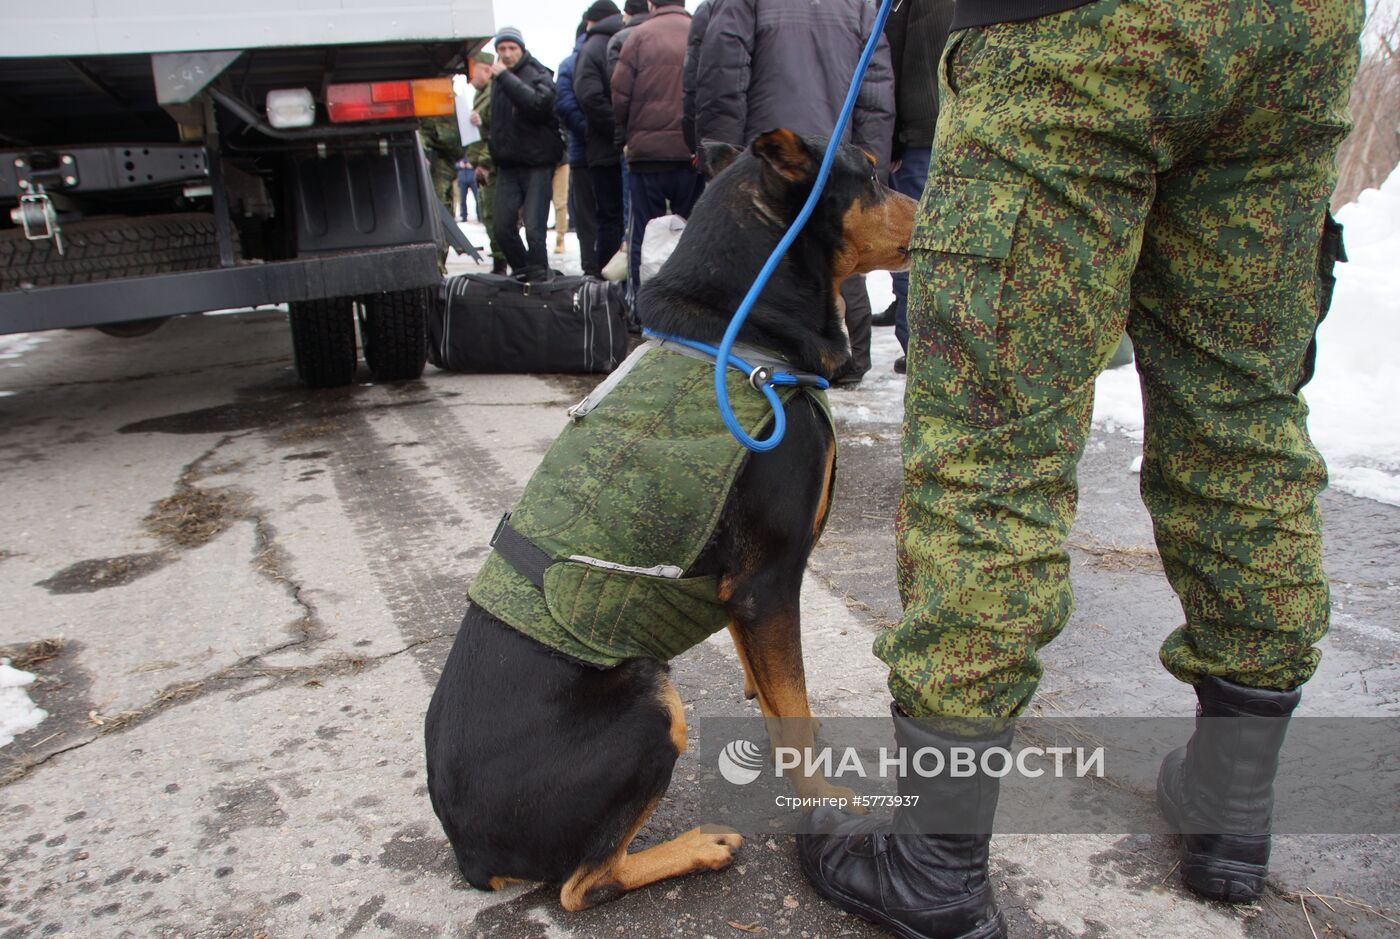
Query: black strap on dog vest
{"x": 529, "y": 560}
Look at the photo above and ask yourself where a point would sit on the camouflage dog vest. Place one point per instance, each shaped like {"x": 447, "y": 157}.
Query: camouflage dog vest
{"x": 623, "y": 504}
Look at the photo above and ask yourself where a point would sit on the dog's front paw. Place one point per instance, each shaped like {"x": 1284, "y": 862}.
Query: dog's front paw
{"x": 839, "y": 796}
{"x": 713, "y": 849}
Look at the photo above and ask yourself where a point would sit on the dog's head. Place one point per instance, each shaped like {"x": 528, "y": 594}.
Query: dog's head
{"x": 858, "y": 225}
{"x": 875, "y": 221}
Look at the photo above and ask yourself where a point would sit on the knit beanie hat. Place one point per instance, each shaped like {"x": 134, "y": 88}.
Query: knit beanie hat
{"x": 633, "y": 7}
{"x": 601, "y": 11}
{"x": 509, "y": 34}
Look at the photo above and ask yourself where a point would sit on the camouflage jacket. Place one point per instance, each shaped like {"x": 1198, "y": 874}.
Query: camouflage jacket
{"x": 441, "y": 137}
{"x": 624, "y": 502}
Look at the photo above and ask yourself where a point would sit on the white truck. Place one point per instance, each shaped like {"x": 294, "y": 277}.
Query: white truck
{"x": 165, "y": 157}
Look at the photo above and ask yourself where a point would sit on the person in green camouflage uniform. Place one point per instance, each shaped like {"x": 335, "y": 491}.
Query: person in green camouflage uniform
{"x": 1163, "y": 167}
{"x": 442, "y": 142}
{"x": 479, "y": 153}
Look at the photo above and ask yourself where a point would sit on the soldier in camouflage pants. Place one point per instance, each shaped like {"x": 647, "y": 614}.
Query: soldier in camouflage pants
{"x": 443, "y": 146}
{"x": 1159, "y": 167}
{"x": 1119, "y": 165}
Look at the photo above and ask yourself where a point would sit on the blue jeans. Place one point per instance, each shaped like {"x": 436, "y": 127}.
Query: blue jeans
{"x": 466, "y": 182}
{"x": 909, "y": 179}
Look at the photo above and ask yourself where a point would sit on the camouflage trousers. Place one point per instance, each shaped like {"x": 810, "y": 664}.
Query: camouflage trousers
{"x": 485, "y": 199}
{"x": 1159, "y": 167}
{"x": 444, "y": 174}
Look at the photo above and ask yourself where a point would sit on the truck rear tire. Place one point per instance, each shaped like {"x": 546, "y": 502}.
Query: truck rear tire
{"x": 394, "y": 329}
{"x": 132, "y": 329}
{"x": 109, "y": 248}
{"x": 323, "y": 341}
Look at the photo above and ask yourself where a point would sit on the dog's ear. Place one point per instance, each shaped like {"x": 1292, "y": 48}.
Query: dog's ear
{"x": 788, "y": 155}
{"x": 715, "y": 156}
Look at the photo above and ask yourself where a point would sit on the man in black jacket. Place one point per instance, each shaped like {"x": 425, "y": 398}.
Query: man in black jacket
{"x": 526, "y": 146}
{"x": 593, "y": 88}
{"x": 582, "y": 210}
{"x": 917, "y": 32}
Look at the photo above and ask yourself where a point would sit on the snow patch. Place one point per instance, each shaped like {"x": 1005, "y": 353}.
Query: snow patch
{"x": 17, "y": 713}
{"x": 16, "y": 345}
{"x": 880, "y": 286}
{"x": 1118, "y": 402}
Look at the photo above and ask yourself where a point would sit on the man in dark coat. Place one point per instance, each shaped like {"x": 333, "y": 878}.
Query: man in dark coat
{"x": 793, "y": 72}
{"x": 526, "y": 147}
{"x": 634, "y": 14}
{"x": 646, "y": 92}
{"x": 593, "y": 88}
{"x": 583, "y": 208}
{"x": 699, "y": 22}
{"x": 917, "y": 32}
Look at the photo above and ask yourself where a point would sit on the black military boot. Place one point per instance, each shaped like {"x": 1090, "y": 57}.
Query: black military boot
{"x": 1218, "y": 790}
{"x": 901, "y": 872}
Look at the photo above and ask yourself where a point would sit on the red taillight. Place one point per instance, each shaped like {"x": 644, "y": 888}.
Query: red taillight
{"x": 378, "y": 101}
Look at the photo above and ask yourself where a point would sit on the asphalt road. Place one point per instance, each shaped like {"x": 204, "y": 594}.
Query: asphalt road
{"x": 237, "y": 595}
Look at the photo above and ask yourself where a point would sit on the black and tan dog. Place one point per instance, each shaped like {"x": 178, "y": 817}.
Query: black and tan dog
{"x": 542, "y": 767}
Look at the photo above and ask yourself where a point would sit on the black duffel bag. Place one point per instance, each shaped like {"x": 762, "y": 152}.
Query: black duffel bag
{"x": 495, "y": 323}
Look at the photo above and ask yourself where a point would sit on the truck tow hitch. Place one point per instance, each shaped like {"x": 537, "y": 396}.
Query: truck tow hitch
{"x": 37, "y": 217}
{"x": 35, "y": 212}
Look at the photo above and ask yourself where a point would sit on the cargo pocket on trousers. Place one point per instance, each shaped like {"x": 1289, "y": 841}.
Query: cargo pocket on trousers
{"x": 963, "y": 235}
{"x": 1330, "y": 250}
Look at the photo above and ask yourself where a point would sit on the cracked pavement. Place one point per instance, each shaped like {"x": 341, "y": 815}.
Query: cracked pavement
{"x": 237, "y": 595}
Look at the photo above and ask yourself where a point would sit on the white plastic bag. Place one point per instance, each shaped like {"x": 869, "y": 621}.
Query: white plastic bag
{"x": 658, "y": 242}
{"x": 616, "y": 268}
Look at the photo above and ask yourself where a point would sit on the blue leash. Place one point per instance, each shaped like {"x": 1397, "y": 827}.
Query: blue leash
{"x": 723, "y": 358}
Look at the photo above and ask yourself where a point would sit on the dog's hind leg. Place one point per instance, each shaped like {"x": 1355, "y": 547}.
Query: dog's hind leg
{"x": 696, "y": 850}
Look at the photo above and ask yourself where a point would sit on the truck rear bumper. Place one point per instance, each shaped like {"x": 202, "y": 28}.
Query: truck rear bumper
{"x": 362, "y": 271}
